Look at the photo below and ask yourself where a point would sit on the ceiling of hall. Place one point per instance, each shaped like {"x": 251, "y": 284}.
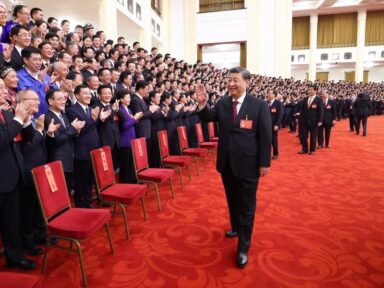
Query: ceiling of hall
{"x": 307, "y": 7}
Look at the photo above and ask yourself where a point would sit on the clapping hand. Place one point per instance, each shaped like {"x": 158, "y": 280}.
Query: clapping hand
{"x": 7, "y": 51}
{"x": 77, "y": 124}
{"x": 95, "y": 113}
{"x": 201, "y": 95}
{"x": 40, "y": 123}
{"x": 115, "y": 106}
{"x": 23, "y": 111}
{"x": 138, "y": 115}
{"x": 52, "y": 127}
{"x": 104, "y": 114}
{"x": 153, "y": 108}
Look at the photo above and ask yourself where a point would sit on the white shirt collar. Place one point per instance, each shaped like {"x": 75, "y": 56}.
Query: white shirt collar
{"x": 34, "y": 75}
{"x": 138, "y": 95}
{"x": 58, "y": 114}
{"x": 83, "y": 106}
{"x": 240, "y": 100}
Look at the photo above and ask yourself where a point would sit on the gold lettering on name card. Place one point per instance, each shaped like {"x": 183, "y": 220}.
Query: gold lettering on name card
{"x": 51, "y": 179}
{"x": 104, "y": 160}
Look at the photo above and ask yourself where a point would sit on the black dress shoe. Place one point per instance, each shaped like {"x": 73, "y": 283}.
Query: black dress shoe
{"x": 303, "y": 152}
{"x": 242, "y": 260}
{"x": 230, "y": 234}
{"x": 275, "y": 157}
{"x": 24, "y": 264}
{"x": 34, "y": 250}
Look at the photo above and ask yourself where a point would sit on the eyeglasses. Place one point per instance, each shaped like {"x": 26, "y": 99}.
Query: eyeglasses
{"x": 32, "y": 99}
{"x": 24, "y": 35}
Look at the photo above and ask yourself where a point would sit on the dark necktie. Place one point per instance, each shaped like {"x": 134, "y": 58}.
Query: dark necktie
{"x": 234, "y": 111}
{"x": 2, "y": 120}
{"x": 87, "y": 111}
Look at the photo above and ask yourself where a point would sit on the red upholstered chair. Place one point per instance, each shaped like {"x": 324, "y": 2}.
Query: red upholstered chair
{"x": 211, "y": 132}
{"x": 19, "y": 280}
{"x": 63, "y": 221}
{"x": 196, "y": 153}
{"x": 108, "y": 191}
{"x": 147, "y": 175}
{"x": 211, "y": 146}
{"x": 172, "y": 161}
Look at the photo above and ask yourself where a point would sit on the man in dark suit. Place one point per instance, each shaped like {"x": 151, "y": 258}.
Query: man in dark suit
{"x": 244, "y": 152}
{"x": 87, "y": 140}
{"x": 138, "y": 104}
{"x": 329, "y": 119}
{"x": 60, "y": 146}
{"x": 108, "y": 129}
{"x": 11, "y": 56}
{"x": 276, "y": 110}
{"x": 362, "y": 107}
{"x": 311, "y": 117}
{"x": 351, "y": 113}
{"x": 11, "y": 175}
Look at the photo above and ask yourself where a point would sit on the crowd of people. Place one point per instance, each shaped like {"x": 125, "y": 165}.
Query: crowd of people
{"x": 64, "y": 93}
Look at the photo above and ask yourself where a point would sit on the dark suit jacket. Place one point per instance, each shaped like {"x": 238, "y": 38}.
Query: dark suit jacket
{"x": 143, "y": 127}
{"x": 246, "y": 149}
{"x": 60, "y": 147}
{"x": 16, "y": 60}
{"x": 314, "y": 114}
{"x": 34, "y": 154}
{"x": 109, "y": 133}
{"x": 11, "y": 163}
{"x": 362, "y": 107}
{"x": 88, "y": 139}
{"x": 276, "y": 110}
{"x": 330, "y": 112}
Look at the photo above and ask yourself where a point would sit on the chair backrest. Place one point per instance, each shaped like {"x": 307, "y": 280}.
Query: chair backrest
{"x": 183, "y": 140}
{"x": 162, "y": 137}
{"x": 51, "y": 189}
{"x": 199, "y": 133}
{"x": 103, "y": 167}
{"x": 211, "y": 130}
{"x": 139, "y": 151}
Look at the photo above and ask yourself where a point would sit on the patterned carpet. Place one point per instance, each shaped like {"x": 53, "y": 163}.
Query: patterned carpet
{"x": 319, "y": 224}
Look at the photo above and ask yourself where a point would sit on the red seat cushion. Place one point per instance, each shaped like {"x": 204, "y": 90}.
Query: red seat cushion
{"x": 195, "y": 151}
{"x": 209, "y": 145}
{"x": 123, "y": 193}
{"x": 180, "y": 161}
{"x": 214, "y": 139}
{"x": 19, "y": 280}
{"x": 157, "y": 175}
{"x": 79, "y": 223}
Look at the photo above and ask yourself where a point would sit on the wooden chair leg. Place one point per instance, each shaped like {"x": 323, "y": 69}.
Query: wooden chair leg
{"x": 197, "y": 166}
{"x": 172, "y": 192}
{"x": 45, "y": 259}
{"x": 181, "y": 177}
{"x": 109, "y": 238}
{"x": 81, "y": 262}
{"x": 144, "y": 208}
{"x": 114, "y": 210}
{"x": 157, "y": 196}
{"x": 125, "y": 221}
{"x": 189, "y": 173}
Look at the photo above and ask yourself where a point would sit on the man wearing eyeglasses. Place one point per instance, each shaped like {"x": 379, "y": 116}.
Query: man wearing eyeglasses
{"x": 11, "y": 55}
{"x": 30, "y": 77}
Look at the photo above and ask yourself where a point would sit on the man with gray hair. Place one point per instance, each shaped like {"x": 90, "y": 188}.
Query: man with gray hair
{"x": 329, "y": 119}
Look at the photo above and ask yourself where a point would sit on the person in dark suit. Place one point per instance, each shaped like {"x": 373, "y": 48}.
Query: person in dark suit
{"x": 170, "y": 123}
{"x": 138, "y": 104}
{"x": 351, "y": 113}
{"x": 244, "y": 151}
{"x": 311, "y": 116}
{"x": 60, "y": 146}
{"x": 127, "y": 123}
{"x": 362, "y": 107}
{"x": 11, "y": 175}
{"x": 157, "y": 124}
{"x": 109, "y": 128}
{"x": 87, "y": 140}
{"x": 276, "y": 110}
{"x": 329, "y": 119}
{"x": 11, "y": 56}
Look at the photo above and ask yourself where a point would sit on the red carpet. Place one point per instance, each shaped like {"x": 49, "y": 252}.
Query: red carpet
{"x": 319, "y": 223}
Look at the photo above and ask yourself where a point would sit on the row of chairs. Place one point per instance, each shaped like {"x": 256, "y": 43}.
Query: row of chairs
{"x": 77, "y": 224}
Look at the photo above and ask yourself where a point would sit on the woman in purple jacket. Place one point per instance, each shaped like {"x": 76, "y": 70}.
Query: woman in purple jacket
{"x": 127, "y": 133}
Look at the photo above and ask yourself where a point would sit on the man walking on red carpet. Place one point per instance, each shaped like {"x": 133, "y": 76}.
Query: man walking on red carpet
{"x": 244, "y": 151}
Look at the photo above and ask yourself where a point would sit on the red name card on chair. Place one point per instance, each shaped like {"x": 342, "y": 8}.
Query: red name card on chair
{"x": 104, "y": 160}
{"x": 51, "y": 179}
